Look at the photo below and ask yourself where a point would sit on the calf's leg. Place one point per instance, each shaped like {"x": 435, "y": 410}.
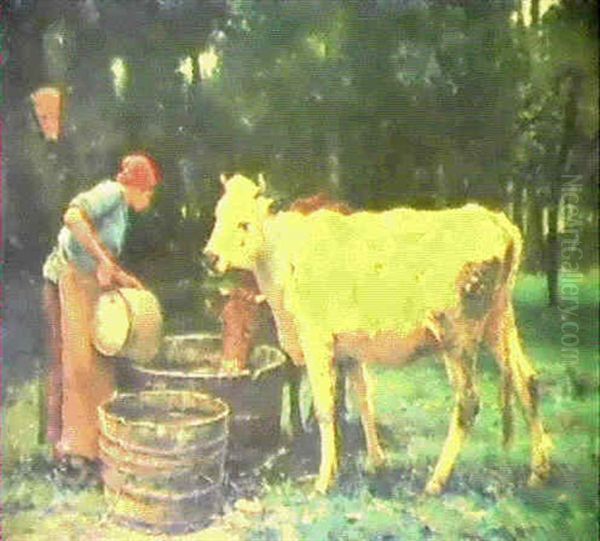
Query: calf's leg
{"x": 506, "y": 405}
{"x": 460, "y": 367}
{"x": 504, "y": 341}
{"x": 362, "y": 388}
{"x": 294, "y": 378}
{"x": 318, "y": 353}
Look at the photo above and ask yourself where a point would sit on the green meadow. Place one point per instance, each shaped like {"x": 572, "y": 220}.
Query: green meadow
{"x": 487, "y": 498}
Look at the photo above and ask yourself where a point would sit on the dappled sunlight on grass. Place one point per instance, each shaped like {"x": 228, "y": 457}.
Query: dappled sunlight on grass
{"x": 487, "y": 497}
{"x": 21, "y": 428}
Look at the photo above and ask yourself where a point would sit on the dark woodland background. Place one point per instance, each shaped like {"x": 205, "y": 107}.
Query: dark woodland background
{"x": 426, "y": 103}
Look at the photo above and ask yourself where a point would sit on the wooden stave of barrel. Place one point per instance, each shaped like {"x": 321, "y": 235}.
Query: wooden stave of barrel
{"x": 151, "y": 513}
{"x": 172, "y": 490}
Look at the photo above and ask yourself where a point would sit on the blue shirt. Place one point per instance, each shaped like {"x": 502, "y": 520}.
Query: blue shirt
{"x": 107, "y": 209}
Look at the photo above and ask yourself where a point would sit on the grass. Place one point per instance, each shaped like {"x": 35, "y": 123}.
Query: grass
{"x": 487, "y": 498}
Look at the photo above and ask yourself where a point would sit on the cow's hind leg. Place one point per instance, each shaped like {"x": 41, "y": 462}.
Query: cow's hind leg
{"x": 460, "y": 367}
{"x": 362, "y": 388}
{"x": 318, "y": 352}
{"x": 294, "y": 378}
{"x": 506, "y": 406}
{"x": 504, "y": 341}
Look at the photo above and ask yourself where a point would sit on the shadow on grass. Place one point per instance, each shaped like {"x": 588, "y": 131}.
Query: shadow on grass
{"x": 300, "y": 463}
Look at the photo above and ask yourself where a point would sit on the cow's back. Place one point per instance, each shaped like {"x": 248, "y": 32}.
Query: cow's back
{"x": 380, "y": 271}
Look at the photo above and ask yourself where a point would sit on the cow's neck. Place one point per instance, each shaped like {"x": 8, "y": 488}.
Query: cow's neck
{"x": 264, "y": 266}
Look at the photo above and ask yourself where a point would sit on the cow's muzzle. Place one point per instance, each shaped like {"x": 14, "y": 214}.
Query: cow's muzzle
{"x": 213, "y": 263}
{"x": 209, "y": 260}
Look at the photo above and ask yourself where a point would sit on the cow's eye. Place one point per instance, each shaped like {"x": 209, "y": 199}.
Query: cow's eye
{"x": 244, "y": 226}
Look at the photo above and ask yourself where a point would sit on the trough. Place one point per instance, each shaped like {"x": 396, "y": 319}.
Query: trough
{"x": 193, "y": 362}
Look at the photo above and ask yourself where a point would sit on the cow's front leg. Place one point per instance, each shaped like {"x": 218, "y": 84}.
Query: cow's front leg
{"x": 460, "y": 368}
{"x": 362, "y": 388}
{"x": 318, "y": 353}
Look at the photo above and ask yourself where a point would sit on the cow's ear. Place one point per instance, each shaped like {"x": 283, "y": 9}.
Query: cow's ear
{"x": 262, "y": 185}
{"x": 223, "y": 179}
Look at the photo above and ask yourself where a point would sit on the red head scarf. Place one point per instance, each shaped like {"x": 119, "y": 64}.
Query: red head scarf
{"x": 139, "y": 170}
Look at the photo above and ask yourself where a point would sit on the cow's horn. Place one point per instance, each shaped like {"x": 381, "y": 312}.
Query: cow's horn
{"x": 262, "y": 185}
{"x": 223, "y": 179}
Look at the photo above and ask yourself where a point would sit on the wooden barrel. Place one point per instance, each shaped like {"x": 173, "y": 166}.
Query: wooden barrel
{"x": 193, "y": 362}
{"x": 163, "y": 455}
{"x": 128, "y": 323}
{"x": 164, "y": 512}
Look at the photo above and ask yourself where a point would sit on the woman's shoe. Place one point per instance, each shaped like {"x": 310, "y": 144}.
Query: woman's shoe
{"x": 78, "y": 472}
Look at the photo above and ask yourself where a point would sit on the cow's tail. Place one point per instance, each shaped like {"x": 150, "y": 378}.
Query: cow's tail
{"x": 513, "y": 252}
{"x": 519, "y": 377}
{"x": 502, "y": 307}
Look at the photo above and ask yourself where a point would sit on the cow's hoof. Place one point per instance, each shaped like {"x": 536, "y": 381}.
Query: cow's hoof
{"x": 322, "y": 486}
{"x": 321, "y": 489}
{"x": 287, "y": 436}
{"x": 541, "y": 465}
{"x": 375, "y": 462}
{"x": 314, "y": 494}
{"x": 434, "y": 488}
{"x": 536, "y": 480}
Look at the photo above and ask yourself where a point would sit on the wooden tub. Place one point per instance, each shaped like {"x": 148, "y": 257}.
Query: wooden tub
{"x": 192, "y": 362}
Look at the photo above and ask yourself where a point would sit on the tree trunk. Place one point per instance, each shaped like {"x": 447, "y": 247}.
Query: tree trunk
{"x": 441, "y": 187}
{"x": 535, "y": 12}
{"x": 572, "y": 81}
{"x": 333, "y": 162}
{"x": 535, "y": 232}
{"x": 517, "y": 197}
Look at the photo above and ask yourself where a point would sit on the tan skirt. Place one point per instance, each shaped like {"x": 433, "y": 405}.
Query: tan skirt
{"x": 87, "y": 378}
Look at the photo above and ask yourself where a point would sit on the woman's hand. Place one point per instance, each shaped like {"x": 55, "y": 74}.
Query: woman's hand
{"x": 105, "y": 274}
{"x": 128, "y": 280}
{"x": 110, "y": 274}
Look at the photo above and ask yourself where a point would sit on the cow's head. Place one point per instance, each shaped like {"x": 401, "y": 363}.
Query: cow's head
{"x": 237, "y": 237}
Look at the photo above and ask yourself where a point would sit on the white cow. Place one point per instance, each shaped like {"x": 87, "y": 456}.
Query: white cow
{"x": 382, "y": 287}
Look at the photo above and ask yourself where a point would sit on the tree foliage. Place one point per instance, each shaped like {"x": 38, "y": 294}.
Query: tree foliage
{"x": 380, "y": 102}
